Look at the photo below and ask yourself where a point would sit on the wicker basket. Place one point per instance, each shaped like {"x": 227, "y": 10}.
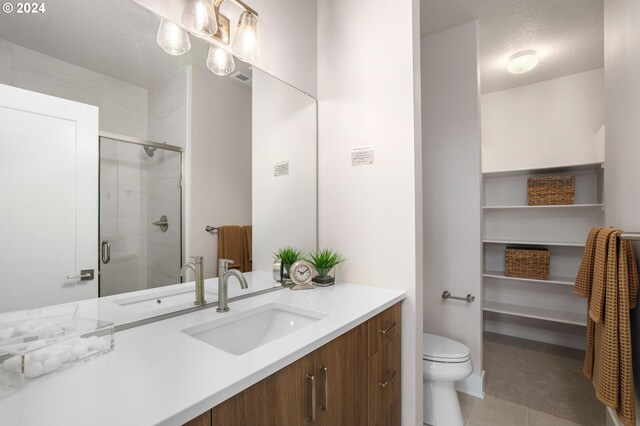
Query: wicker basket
{"x": 527, "y": 262}
{"x": 551, "y": 190}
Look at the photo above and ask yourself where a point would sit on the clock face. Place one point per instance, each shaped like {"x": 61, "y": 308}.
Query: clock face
{"x": 301, "y": 272}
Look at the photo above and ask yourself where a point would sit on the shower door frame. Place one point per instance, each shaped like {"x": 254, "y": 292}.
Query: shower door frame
{"x": 144, "y": 143}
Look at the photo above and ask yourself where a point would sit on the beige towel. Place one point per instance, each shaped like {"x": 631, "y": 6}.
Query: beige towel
{"x": 247, "y": 247}
{"x": 230, "y": 246}
{"x": 613, "y": 290}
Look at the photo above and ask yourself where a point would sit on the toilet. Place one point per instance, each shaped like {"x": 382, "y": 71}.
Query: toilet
{"x": 445, "y": 362}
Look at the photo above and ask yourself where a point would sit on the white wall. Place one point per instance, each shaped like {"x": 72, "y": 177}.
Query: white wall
{"x": 123, "y": 106}
{"x": 284, "y": 207}
{"x": 452, "y": 187}
{"x": 220, "y": 161}
{"x": 368, "y": 90}
{"x": 622, "y": 174}
{"x": 287, "y": 30}
{"x": 545, "y": 124}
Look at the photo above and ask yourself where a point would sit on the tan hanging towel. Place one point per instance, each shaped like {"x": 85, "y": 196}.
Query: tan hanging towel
{"x": 247, "y": 246}
{"x": 230, "y": 246}
{"x": 608, "y": 276}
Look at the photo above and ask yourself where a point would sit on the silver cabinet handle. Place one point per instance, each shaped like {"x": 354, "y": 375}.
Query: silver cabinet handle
{"x": 388, "y": 329}
{"x": 325, "y": 374}
{"x": 85, "y": 275}
{"x": 105, "y": 251}
{"x": 385, "y": 384}
{"x": 312, "y": 382}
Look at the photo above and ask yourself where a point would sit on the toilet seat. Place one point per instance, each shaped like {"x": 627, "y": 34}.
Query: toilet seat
{"x": 440, "y": 349}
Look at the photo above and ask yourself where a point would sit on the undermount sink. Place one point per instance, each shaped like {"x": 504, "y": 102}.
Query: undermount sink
{"x": 251, "y": 329}
{"x": 162, "y": 300}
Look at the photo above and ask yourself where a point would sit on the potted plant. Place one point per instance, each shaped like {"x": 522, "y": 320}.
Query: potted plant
{"x": 287, "y": 257}
{"x": 324, "y": 261}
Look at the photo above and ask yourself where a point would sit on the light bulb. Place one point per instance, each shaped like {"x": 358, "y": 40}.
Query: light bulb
{"x": 172, "y": 38}
{"x": 219, "y": 61}
{"x": 522, "y": 62}
{"x": 199, "y": 17}
{"x": 245, "y": 42}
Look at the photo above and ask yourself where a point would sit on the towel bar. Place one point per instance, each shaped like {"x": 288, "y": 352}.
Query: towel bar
{"x": 210, "y": 228}
{"x": 632, "y": 236}
{"x": 469, "y": 298}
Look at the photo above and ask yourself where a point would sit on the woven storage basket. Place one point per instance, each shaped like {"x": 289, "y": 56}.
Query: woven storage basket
{"x": 527, "y": 262}
{"x": 551, "y": 190}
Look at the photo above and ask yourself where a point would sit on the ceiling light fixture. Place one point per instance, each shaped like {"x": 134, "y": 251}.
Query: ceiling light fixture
{"x": 173, "y": 38}
{"x": 202, "y": 18}
{"x": 523, "y": 62}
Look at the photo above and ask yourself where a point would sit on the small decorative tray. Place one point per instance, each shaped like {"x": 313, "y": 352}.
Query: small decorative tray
{"x": 37, "y": 343}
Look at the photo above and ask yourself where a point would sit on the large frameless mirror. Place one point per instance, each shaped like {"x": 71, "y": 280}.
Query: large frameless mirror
{"x": 119, "y": 161}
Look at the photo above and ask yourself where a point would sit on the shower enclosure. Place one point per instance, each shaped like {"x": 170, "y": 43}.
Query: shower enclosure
{"x": 140, "y": 214}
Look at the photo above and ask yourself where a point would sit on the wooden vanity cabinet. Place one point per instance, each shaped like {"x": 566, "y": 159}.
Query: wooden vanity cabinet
{"x": 340, "y": 383}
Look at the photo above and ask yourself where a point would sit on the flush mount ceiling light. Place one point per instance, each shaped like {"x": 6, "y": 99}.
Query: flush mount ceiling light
{"x": 202, "y": 18}
{"x": 173, "y": 38}
{"x": 523, "y": 62}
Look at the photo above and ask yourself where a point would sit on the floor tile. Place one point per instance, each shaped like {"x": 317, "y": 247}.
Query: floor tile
{"x": 538, "y": 418}
{"x": 496, "y": 412}
{"x": 543, "y": 377}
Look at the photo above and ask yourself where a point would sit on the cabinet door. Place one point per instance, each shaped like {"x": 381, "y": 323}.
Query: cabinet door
{"x": 284, "y": 398}
{"x": 384, "y": 385}
{"x": 203, "y": 419}
{"x": 341, "y": 370}
{"x": 230, "y": 412}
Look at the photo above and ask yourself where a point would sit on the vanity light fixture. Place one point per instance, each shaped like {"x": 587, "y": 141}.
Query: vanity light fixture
{"x": 203, "y": 19}
{"x": 199, "y": 18}
{"x": 523, "y": 62}
{"x": 173, "y": 38}
{"x": 245, "y": 42}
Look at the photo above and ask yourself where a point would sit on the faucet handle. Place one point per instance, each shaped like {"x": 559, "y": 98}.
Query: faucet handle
{"x": 223, "y": 265}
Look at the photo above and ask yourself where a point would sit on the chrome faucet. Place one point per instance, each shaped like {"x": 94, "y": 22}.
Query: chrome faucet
{"x": 196, "y": 267}
{"x": 223, "y": 283}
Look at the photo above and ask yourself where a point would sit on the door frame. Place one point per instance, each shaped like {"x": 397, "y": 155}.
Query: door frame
{"x": 151, "y": 144}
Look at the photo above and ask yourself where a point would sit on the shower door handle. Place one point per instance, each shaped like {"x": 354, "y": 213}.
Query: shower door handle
{"x": 105, "y": 251}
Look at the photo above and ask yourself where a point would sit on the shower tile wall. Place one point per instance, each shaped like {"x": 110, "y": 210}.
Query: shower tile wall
{"x": 167, "y": 123}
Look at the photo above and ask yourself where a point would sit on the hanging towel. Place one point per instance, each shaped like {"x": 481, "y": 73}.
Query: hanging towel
{"x": 247, "y": 247}
{"x": 608, "y": 277}
{"x": 230, "y": 246}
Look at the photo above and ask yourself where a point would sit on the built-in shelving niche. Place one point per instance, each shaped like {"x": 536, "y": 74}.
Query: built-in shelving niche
{"x": 544, "y": 310}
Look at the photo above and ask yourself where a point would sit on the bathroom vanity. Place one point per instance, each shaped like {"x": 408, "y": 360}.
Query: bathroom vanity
{"x": 352, "y": 380}
{"x": 179, "y": 371}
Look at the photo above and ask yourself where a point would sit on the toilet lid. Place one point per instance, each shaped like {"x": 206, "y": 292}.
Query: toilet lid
{"x": 438, "y": 348}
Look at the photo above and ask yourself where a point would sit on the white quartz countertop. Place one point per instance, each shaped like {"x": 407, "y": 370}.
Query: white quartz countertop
{"x": 159, "y": 375}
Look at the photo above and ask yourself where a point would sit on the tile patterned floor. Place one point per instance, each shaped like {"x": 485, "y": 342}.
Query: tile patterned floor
{"x": 532, "y": 383}
{"x": 491, "y": 411}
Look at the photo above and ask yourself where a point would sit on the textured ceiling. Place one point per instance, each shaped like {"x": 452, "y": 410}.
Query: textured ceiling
{"x": 568, "y": 35}
{"x": 113, "y": 37}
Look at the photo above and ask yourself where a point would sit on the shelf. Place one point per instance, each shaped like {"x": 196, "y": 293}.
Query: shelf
{"x": 535, "y": 313}
{"x": 552, "y": 279}
{"x": 534, "y": 243}
{"x": 568, "y": 206}
{"x": 544, "y": 170}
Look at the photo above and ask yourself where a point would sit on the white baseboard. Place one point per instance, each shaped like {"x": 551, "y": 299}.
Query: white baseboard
{"x": 472, "y": 385}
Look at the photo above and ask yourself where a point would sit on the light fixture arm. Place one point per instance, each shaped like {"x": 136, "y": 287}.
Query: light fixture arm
{"x": 242, "y": 5}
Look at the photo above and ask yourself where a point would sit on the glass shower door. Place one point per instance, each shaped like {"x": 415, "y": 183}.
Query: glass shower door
{"x": 140, "y": 216}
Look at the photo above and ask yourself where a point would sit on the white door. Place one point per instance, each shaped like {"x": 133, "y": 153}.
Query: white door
{"x": 48, "y": 199}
